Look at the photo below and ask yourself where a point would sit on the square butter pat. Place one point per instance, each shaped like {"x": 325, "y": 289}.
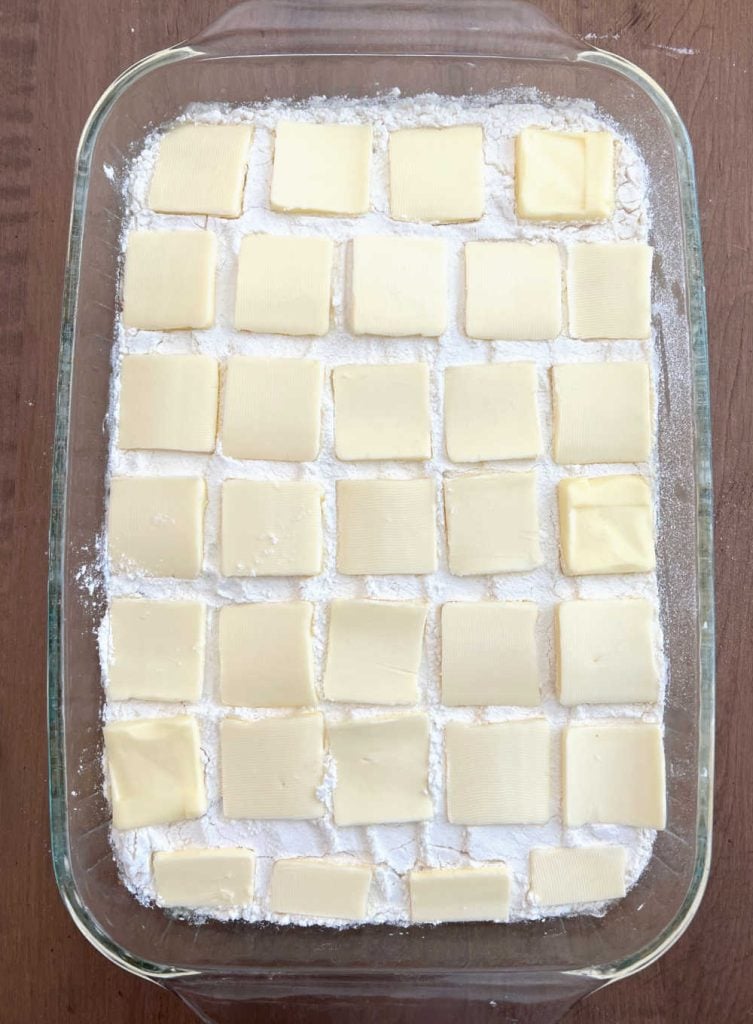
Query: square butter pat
{"x": 156, "y": 650}
{"x": 155, "y": 771}
{"x": 490, "y": 412}
{"x": 156, "y": 525}
{"x": 492, "y": 523}
{"x": 382, "y": 770}
{"x": 168, "y": 281}
{"x": 201, "y": 168}
{"x": 321, "y": 168}
{"x": 382, "y": 412}
{"x": 609, "y": 290}
{"x": 513, "y": 291}
{"x": 605, "y": 652}
{"x": 284, "y": 285}
{"x": 265, "y": 655}
{"x": 386, "y": 527}
{"x": 437, "y": 174}
{"x": 272, "y": 767}
{"x": 460, "y": 894}
{"x": 317, "y": 887}
{"x": 197, "y": 879}
{"x": 374, "y": 651}
{"x": 489, "y": 653}
{"x": 613, "y": 774}
{"x": 399, "y": 286}
{"x": 602, "y": 412}
{"x": 564, "y": 175}
{"x": 272, "y": 409}
{"x": 270, "y": 528}
{"x": 168, "y": 402}
{"x": 498, "y": 774}
{"x": 561, "y": 875}
{"x": 606, "y": 525}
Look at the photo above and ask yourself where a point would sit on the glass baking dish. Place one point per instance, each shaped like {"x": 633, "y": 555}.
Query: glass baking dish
{"x": 296, "y": 49}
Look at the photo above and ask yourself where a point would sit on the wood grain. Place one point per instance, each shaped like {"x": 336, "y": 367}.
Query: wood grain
{"x": 55, "y": 59}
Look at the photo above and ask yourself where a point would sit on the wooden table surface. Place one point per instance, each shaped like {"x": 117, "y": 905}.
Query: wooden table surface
{"x": 56, "y": 58}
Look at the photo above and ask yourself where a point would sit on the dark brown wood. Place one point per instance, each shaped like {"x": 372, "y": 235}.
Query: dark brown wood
{"x": 56, "y": 56}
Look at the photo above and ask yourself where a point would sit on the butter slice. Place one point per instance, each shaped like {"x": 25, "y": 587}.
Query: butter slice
{"x": 314, "y": 887}
{"x": 386, "y": 527}
{"x": 602, "y": 412}
{"x": 606, "y": 525}
{"x": 201, "y": 168}
{"x": 561, "y": 875}
{"x": 265, "y": 654}
{"x": 460, "y": 894}
{"x": 382, "y": 770}
{"x": 215, "y": 879}
{"x": 498, "y": 773}
{"x": 272, "y": 409}
{"x": 321, "y": 168}
{"x": 399, "y": 286}
{"x": 382, "y": 412}
{"x": 492, "y": 523}
{"x": 156, "y": 650}
{"x": 513, "y": 291}
{"x": 609, "y": 290}
{"x": 605, "y": 652}
{"x": 168, "y": 402}
{"x": 168, "y": 281}
{"x": 155, "y": 771}
{"x": 613, "y": 774}
{"x": 284, "y": 284}
{"x": 437, "y": 174}
{"x": 272, "y": 767}
{"x": 270, "y": 528}
{"x": 374, "y": 651}
{"x": 564, "y": 175}
{"x": 490, "y": 412}
{"x": 489, "y": 653}
{"x": 156, "y": 525}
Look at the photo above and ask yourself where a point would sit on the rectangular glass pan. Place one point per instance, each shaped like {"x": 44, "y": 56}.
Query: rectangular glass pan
{"x": 297, "y": 49}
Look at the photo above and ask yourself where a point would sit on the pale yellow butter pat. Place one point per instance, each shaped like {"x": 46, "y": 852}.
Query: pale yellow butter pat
{"x": 605, "y": 652}
{"x": 374, "y": 651}
{"x": 156, "y": 650}
{"x": 321, "y": 168}
{"x": 437, "y": 174}
{"x": 315, "y": 887}
{"x": 272, "y": 409}
{"x": 169, "y": 280}
{"x": 561, "y": 875}
{"x": 492, "y": 523}
{"x": 606, "y": 525}
{"x": 382, "y": 412}
{"x": 156, "y": 525}
{"x": 602, "y": 412}
{"x": 399, "y": 286}
{"x": 168, "y": 403}
{"x": 613, "y": 774}
{"x": 513, "y": 291}
{"x": 201, "y": 168}
{"x": 382, "y": 770}
{"x": 489, "y": 653}
{"x": 564, "y": 175}
{"x": 270, "y": 528}
{"x": 498, "y": 773}
{"x": 197, "y": 879}
{"x": 609, "y": 290}
{"x": 272, "y": 767}
{"x": 460, "y": 894}
{"x": 155, "y": 771}
{"x": 265, "y": 654}
{"x": 284, "y": 284}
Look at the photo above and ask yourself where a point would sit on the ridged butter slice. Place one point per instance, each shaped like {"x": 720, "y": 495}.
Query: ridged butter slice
{"x": 313, "y": 887}
{"x": 577, "y": 874}
{"x": 460, "y": 894}
{"x": 215, "y": 879}
{"x": 437, "y": 174}
{"x": 382, "y": 412}
{"x": 609, "y": 290}
{"x": 169, "y": 280}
